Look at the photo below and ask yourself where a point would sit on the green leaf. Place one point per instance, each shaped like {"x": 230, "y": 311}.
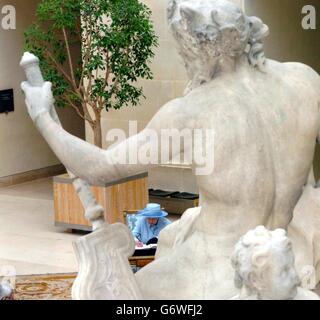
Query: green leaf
{"x": 118, "y": 55}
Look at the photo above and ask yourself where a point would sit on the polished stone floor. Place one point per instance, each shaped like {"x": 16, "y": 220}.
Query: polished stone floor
{"x": 29, "y": 241}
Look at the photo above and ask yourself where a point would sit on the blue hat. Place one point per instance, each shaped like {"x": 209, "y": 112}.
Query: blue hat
{"x": 153, "y": 210}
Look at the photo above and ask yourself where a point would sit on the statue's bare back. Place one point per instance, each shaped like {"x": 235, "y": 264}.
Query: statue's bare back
{"x": 266, "y": 126}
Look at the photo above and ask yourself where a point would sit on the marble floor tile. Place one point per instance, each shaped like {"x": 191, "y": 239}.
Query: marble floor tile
{"x": 39, "y": 189}
{"x": 29, "y": 241}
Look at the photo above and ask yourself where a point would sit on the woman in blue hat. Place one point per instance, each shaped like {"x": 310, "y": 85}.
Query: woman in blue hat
{"x": 151, "y": 221}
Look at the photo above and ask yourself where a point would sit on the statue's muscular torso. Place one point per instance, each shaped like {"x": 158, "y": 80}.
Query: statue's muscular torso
{"x": 266, "y": 126}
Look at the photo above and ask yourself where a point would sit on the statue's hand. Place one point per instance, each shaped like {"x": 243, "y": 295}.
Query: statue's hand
{"x": 38, "y": 99}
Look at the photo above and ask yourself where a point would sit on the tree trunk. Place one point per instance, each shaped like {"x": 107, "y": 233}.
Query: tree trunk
{"x": 97, "y": 132}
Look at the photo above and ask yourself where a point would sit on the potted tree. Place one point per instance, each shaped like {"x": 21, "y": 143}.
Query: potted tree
{"x": 115, "y": 39}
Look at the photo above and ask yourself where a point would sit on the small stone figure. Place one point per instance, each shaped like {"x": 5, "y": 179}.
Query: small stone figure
{"x": 264, "y": 264}
{"x": 6, "y": 292}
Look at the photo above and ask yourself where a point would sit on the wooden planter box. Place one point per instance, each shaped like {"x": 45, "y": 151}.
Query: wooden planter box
{"x": 116, "y": 198}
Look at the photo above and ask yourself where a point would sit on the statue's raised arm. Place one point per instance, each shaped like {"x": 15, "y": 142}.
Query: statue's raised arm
{"x": 93, "y": 211}
{"x": 87, "y": 161}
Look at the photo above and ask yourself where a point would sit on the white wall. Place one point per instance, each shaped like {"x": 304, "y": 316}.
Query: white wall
{"x": 169, "y": 78}
{"x": 21, "y": 146}
{"x": 288, "y": 41}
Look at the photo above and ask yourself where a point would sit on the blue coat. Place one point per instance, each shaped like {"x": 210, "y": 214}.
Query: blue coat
{"x": 144, "y": 231}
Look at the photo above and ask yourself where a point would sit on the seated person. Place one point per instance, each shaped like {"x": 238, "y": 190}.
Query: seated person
{"x": 151, "y": 221}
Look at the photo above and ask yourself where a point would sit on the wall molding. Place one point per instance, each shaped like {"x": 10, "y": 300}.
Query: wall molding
{"x": 32, "y": 175}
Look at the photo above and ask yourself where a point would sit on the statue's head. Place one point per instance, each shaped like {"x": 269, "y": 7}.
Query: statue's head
{"x": 264, "y": 265}
{"x": 210, "y": 31}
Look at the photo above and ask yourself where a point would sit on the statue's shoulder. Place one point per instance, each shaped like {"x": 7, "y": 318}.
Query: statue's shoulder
{"x": 169, "y": 115}
{"x": 304, "y": 294}
{"x": 293, "y": 69}
{"x": 171, "y": 108}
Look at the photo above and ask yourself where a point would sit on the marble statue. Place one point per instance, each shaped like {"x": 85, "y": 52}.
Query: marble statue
{"x": 265, "y": 116}
{"x": 264, "y": 267}
{"x": 6, "y": 291}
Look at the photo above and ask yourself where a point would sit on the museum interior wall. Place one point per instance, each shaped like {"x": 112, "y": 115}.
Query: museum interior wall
{"x": 288, "y": 41}
{"x": 22, "y": 147}
{"x": 169, "y": 79}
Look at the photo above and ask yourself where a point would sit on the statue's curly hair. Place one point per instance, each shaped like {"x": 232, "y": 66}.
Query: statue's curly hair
{"x": 252, "y": 253}
{"x": 237, "y": 36}
{"x": 258, "y": 31}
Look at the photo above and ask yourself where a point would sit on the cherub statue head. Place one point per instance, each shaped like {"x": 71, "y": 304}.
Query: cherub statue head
{"x": 264, "y": 265}
{"x": 213, "y": 34}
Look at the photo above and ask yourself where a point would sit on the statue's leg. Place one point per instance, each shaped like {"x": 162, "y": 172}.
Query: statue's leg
{"x": 94, "y": 212}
